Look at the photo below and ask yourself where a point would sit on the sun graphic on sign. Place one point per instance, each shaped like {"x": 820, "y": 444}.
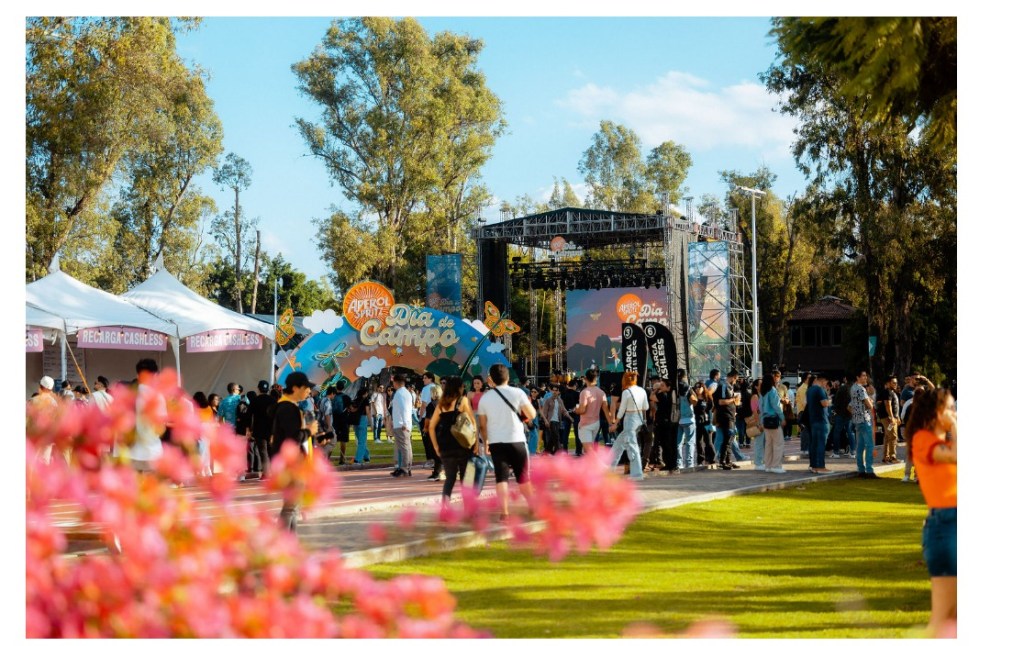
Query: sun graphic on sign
{"x": 366, "y": 301}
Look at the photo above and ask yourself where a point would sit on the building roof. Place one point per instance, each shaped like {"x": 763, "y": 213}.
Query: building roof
{"x": 828, "y": 308}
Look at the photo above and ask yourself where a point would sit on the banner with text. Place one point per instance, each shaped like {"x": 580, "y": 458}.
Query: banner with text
{"x": 121, "y": 338}
{"x": 634, "y": 351}
{"x": 33, "y": 339}
{"x": 223, "y": 340}
{"x": 444, "y": 283}
{"x": 662, "y": 348}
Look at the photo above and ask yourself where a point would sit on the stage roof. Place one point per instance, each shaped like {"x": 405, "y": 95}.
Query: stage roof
{"x": 585, "y": 228}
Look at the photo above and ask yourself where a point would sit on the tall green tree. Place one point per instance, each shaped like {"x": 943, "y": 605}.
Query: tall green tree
{"x": 233, "y": 230}
{"x": 887, "y": 198}
{"x": 407, "y": 121}
{"x": 98, "y": 91}
{"x": 888, "y": 68}
{"x": 621, "y": 179}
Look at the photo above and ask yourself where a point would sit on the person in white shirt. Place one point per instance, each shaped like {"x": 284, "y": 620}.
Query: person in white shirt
{"x": 147, "y": 448}
{"x": 378, "y": 407}
{"x": 500, "y": 415}
{"x": 401, "y": 415}
{"x": 100, "y": 396}
{"x": 630, "y": 415}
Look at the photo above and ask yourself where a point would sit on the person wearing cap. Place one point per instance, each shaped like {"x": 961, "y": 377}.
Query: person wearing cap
{"x": 291, "y": 425}
{"x": 45, "y": 399}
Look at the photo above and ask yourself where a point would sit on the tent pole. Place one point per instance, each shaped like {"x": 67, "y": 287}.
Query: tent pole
{"x": 177, "y": 358}
{"x": 63, "y": 357}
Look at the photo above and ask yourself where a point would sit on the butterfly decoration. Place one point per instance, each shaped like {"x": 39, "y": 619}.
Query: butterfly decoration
{"x": 595, "y": 315}
{"x": 329, "y": 360}
{"x": 285, "y": 328}
{"x": 397, "y": 351}
{"x": 497, "y": 324}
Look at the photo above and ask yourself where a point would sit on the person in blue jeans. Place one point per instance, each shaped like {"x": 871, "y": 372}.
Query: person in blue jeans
{"x": 862, "y": 412}
{"x": 361, "y": 417}
{"x": 686, "y": 435}
{"x": 817, "y": 404}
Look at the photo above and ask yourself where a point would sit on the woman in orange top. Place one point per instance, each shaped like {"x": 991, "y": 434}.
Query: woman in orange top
{"x": 931, "y": 440}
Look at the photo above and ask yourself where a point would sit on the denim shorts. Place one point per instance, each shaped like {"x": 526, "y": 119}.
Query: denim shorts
{"x": 938, "y": 541}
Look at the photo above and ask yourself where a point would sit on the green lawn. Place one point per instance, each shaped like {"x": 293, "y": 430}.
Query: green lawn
{"x": 828, "y": 560}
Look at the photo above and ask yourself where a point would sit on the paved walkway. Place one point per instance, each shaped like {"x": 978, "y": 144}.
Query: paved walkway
{"x": 370, "y": 496}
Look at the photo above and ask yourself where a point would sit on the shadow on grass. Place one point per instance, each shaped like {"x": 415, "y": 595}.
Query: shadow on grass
{"x": 833, "y": 559}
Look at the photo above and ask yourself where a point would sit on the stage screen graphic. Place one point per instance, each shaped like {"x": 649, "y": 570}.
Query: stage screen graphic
{"x": 708, "y": 281}
{"x": 594, "y": 319}
{"x": 444, "y": 283}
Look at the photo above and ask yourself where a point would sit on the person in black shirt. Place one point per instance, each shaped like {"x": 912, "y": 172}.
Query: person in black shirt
{"x": 702, "y": 420}
{"x": 443, "y": 414}
{"x": 262, "y": 409}
{"x": 664, "y": 428}
{"x": 290, "y": 425}
{"x": 571, "y": 399}
{"x": 726, "y": 400}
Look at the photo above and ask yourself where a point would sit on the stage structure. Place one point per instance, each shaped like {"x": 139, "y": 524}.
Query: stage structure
{"x": 564, "y": 250}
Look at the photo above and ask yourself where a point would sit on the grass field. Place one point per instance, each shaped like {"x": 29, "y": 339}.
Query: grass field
{"x": 839, "y": 559}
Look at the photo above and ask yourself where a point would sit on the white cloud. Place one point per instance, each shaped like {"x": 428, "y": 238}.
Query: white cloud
{"x": 370, "y": 367}
{"x": 688, "y": 110}
{"x": 322, "y": 321}
{"x": 478, "y": 324}
{"x": 495, "y": 347}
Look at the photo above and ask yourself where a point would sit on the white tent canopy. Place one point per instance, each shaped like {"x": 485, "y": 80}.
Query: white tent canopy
{"x": 165, "y": 296}
{"x": 37, "y": 317}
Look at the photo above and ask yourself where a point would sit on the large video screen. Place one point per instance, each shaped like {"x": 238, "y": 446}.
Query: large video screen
{"x": 594, "y": 319}
{"x": 708, "y": 282}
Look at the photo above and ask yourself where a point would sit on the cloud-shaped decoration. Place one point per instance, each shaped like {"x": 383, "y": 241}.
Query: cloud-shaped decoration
{"x": 496, "y": 347}
{"x": 478, "y": 324}
{"x": 475, "y": 361}
{"x": 322, "y": 321}
{"x": 370, "y": 367}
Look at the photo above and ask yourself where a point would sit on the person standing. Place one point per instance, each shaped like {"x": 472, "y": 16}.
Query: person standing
{"x": 754, "y": 421}
{"x": 100, "y": 396}
{"x": 290, "y": 425}
{"x": 364, "y": 411}
{"x": 861, "y": 417}
{"x": 630, "y": 415}
{"x": 429, "y": 395}
{"x": 665, "y": 430}
{"x": 326, "y": 437}
{"x": 800, "y": 410}
{"x": 227, "y": 411}
{"x": 553, "y": 412}
{"x": 726, "y": 401}
{"x": 702, "y": 422}
{"x": 147, "y": 447}
{"x": 378, "y": 408}
{"x": 773, "y": 416}
{"x": 262, "y": 408}
{"x": 931, "y": 436}
{"x": 502, "y": 414}
{"x": 533, "y": 429}
{"x": 686, "y": 436}
{"x": 590, "y": 409}
{"x": 889, "y": 406}
{"x": 453, "y": 455}
{"x": 818, "y": 402}
{"x": 844, "y": 432}
{"x": 401, "y": 415}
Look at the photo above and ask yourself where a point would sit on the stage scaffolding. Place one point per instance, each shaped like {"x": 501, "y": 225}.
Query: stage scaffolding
{"x": 659, "y": 240}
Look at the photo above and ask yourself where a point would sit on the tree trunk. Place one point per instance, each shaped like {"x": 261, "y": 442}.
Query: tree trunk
{"x": 256, "y": 273}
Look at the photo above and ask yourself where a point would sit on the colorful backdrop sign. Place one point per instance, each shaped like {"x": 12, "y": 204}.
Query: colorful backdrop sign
{"x": 594, "y": 319}
{"x": 33, "y": 339}
{"x": 444, "y": 283}
{"x": 662, "y": 349}
{"x": 708, "y": 293}
{"x": 221, "y": 340}
{"x": 378, "y": 333}
{"x": 121, "y": 338}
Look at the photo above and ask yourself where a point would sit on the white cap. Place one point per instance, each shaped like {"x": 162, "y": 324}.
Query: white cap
{"x": 46, "y": 382}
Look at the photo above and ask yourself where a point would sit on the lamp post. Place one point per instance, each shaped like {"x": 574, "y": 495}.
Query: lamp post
{"x": 754, "y": 194}
{"x": 273, "y": 336}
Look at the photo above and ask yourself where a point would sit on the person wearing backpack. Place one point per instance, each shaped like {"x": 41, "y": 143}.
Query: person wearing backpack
{"x": 446, "y": 412}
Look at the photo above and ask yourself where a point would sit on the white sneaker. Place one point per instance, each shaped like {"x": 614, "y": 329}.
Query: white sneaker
{"x": 905, "y": 479}
{"x": 759, "y": 467}
{"x": 777, "y": 470}
{"x": 377, "y": 442}
{"x": 835, "y": 456}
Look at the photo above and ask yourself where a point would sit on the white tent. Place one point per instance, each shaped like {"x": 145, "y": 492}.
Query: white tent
{"x": 165, "y": 296}
{"x": 61, "y": 303}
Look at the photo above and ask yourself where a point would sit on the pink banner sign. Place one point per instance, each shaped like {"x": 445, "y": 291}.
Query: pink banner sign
{"x": 33, "y": 340}
{"x": 121, "y": 338}
{"x": 222, "y": 340}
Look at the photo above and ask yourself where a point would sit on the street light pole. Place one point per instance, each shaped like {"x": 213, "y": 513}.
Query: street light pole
{"x": 273, "y": 337}
{"x": 754, "y": 194}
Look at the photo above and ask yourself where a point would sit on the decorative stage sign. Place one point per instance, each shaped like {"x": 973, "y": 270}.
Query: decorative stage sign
{"x": 121, "y": 338}
{"x": 444, "y": 283}
{"x": 221, "y": 340}
{"x": 708, "y": 295}
{"x": 594, "y": 318}
{"x": 33, "y": 339}
{"x": 378, "y": 333}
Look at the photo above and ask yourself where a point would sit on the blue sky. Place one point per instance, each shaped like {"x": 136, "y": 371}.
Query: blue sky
{"x": 691, "y": 80}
